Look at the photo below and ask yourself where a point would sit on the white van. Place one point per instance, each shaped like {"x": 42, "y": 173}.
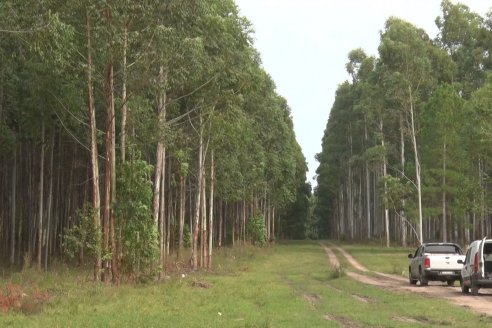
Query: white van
{"x": 477, "y": 268}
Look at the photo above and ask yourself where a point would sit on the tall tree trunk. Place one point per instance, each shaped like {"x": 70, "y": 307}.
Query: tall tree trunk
{"x": 181, "y": 215}
{"x": 124, "y": 108}
{"x": 162, "y": 212}
{"x": 273, "y": 223}
{"x": 211, "y": 211}
{"x": 233, "y": 224}
{"x": 109, "y": 186}
{"x": 50, "y": 203}
{"x": 403, "y": 218}
{"x": 444, "y": 223}
{"x": 350, "y": 199}
{"x": 368, "y": 184}
{"x": 171, "y": 210}
{"x": 244, "y": 221}
{"x": 221, "y": 223}
{"x": 40, "y": 205}
{"x": 417, "y": 164}
{"x": 96, "y": 198}
{"x": 161, "y": 113}
{"x": 160, "y": 164}
{"x": 481, "y": 219}
{"x": 194, "y": 254}
{"x": 13, "y": 206}
{"x": 203, "y": 236}
{"x": 386, "y": 211}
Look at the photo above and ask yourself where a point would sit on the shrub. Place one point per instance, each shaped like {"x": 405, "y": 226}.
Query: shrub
{"x": 256, "y": 230}
{"x": 139, "y": 235}
{"x": 82, "y": 239}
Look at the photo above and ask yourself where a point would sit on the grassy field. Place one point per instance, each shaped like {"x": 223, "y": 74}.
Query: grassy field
{"x": 392, "y": 260}
{"x": 288, "y": 285}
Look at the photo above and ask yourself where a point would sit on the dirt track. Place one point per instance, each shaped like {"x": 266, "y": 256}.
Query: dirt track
{"x": 481, "y": 303}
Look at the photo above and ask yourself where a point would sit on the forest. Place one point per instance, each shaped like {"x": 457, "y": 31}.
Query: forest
{"x": 133, "y": 133}
{"x": 407, "y": 150}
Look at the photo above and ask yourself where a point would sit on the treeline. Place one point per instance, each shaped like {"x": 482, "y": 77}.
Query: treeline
{"x": 407, "y": 151}
{"x": 131, "y": 130}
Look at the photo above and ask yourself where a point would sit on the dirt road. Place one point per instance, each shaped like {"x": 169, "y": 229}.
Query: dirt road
{"x": 481, "y": 303}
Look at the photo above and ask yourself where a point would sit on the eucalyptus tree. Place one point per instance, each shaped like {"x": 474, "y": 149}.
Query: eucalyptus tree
{"x": 177, "y": 79}
{"x": 358, "y": 58}
{"x": 29, "y": 97}
{"x": 442, "y": 151}
{"x": 406, "y": 64}
{"x": 465, "y": 35}
{"x": 335, "y": 153}
{"x": 478, "y": 127}
{"x": 462, "y": 35}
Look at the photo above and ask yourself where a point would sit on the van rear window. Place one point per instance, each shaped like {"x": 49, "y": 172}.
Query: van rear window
{"x": 443, "y": 249}
{"x": 487, "y": 248}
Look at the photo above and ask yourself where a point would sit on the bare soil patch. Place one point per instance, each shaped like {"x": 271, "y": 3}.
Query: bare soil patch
{"x": 344, "y": 322}
{"x": 312, "y": 299}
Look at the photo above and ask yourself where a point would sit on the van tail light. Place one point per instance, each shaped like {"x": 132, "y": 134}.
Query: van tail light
{"x": 475, "y": 263}
{"x": 427, "y": 262}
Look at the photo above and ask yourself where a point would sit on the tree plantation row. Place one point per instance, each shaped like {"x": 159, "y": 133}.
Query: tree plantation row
{"x": 132, "y": 132}
{"x": 407, "y": 151}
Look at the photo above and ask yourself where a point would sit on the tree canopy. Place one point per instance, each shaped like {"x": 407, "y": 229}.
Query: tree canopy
{"x": 405, "y": 153}
{"x": 158, "y": 115}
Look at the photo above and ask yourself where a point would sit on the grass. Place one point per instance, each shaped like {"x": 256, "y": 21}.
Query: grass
{"x": 392, "y": 260}
{"x": 289, "y": 285}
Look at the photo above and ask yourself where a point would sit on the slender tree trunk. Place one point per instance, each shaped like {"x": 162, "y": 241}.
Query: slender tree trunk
{"x": 171, "y": 210}
{"x": 403, "y": 218}
{"x": 50, "y": 203}
{"x": 221, "y": 223}
{"x": 232, "y": 224}
{"x": 368, "y": 183}
{"x": 181, "y": 215}
{"x": 194, "y": 254}
{"x": 96, "y": 199}
{"x": 161, "y": 112}
{"x": 444, "y": 223}
{"x": 386, "y": 211}
{"x": 162, "y": 212}
{"x": 244, "y": 221}
{"x": 40, "y": 205}
{"x": 160, "y": 164}
{"x": 124, "y": 108}
{"x": 273, "y": 222}
{"x": 224, "y": 214}
{"x": 203, "y": 236}
{"x": 13, "y": 207}
{"x": 417, "y": 165}
{"x": 350, "y": 200}
{"x": 211, "y": 211}
{"x": 109, "y": 186}
{"x": 481, "y": 220}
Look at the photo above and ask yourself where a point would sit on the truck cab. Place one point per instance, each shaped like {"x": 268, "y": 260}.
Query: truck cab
{"x": 435, "y": 262}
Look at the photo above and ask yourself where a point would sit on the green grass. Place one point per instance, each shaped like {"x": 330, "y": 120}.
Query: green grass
{"x": 289, "y": 285}
{"x": 392, "y": 260}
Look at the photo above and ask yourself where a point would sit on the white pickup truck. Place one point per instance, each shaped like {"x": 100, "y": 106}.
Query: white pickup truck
{"x": 435, "y": 262}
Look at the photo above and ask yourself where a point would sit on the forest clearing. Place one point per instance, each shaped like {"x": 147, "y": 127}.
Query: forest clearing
{"x": 286, "y": 285}
{"x": 151, "y": 174}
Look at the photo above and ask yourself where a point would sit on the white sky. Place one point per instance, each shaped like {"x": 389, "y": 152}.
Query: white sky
{"x": 304, "y": 46}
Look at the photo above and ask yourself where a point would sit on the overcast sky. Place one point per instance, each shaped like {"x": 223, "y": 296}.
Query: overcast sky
{"x": 304, "y": 47}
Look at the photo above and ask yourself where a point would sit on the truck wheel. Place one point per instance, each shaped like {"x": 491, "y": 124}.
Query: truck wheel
{"x": 410, "y": 278}
{"x": 473, "y": 287}
{"x": 450, "y": 282}
{"x": 423, "y": 280}
{"x": 464, "y": 288}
